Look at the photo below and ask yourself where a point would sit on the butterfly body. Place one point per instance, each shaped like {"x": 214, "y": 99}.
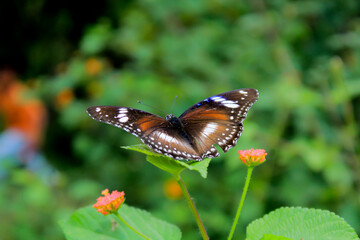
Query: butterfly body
{"x": 215, "y": 120}
{"x": 174, "y": 121}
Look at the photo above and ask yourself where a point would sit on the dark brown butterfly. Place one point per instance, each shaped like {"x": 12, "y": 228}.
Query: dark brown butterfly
{"x": 215, "y": 120}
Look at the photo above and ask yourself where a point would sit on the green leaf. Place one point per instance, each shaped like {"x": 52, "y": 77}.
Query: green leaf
{"x": 143, "y": 149}
{"x": 274, "y": 237}
{"x": 87, "y": 223}
{"x": 301, "y": 223}
{"x": 171, "y": 165}
{"x": 167, "y": 164}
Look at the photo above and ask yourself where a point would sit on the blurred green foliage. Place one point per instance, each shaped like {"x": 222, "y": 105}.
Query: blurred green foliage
{"x": 302, "y": 56}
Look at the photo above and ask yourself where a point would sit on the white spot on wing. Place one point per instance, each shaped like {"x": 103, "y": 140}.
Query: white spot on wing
{"x": 210, "y": 128}
{"x": 123, "y": 110}
{"x": 166, "y": 137}
{"x": 121, "y": 115}
{"x": 97, "y": 109}
{"x": 217, "y": 99}
{"x": 230, "y": 104}
{"x": 243, "y": 92}
{"x": 124, "y": 119}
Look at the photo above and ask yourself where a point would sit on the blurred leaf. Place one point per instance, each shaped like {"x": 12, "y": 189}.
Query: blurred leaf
{"x": 87, "y": 223}
{"x": 353, "y": 87}
{"x": 301, "y": 223}
{"x": 339, "y": 175}
{"x": 96, "y": 38}
{"x": 84, "y": 189}
{"x": 350, "y": 212}
{"x": 74, "y": 114}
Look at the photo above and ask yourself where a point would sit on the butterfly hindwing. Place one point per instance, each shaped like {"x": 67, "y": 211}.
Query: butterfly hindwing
{"x": 171, "y": 142}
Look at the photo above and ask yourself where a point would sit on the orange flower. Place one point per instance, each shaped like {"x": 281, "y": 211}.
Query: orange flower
{"x": 172, "y": 189}
{"x": 64, "y": 98}
{"x": 20, "y": 109}
{"x": 93, "y": 66}
{"x": 109, "y": 203}
{"x": 252, "y": 157}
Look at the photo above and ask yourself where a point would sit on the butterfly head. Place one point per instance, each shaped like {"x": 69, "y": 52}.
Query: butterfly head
{"x": 169, "y": 116}
{"x": 173, "y": 120}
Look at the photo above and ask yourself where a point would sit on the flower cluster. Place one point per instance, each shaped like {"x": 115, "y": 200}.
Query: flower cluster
{"x": 252, "y": 157}
{"x": 109, "y": 203}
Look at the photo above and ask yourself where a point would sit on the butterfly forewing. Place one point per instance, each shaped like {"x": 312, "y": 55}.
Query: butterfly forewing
{"x": 132, "y": 120}
{"x": 218, "y": 120}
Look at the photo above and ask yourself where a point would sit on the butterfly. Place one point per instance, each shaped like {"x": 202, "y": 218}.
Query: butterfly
{"x": 215, "y": 120}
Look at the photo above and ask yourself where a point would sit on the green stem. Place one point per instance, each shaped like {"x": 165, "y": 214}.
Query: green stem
{"x": 192, "y": 207}
{"x": 247, "y": 182}
{"x": 142, "y": 235}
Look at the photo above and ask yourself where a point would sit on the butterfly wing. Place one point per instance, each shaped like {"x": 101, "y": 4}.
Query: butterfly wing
{"x": 137, "y": 122}
{"x": 218, "y": 120}
{"x": 171, "y": 142}
{"x": 153, "y": 130}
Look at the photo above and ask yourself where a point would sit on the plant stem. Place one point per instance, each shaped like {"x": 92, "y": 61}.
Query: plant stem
{"x": 142, "y": 235}
{"x": 247, "y": 182}
{"x": 192, "y": 207}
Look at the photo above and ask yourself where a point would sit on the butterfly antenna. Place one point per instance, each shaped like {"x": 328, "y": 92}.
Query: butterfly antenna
{"x": 173, "y": 104}
{"x": 151, "y": 106}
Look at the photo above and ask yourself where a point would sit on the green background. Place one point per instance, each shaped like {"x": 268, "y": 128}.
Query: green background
{"x": 302, "y": 56}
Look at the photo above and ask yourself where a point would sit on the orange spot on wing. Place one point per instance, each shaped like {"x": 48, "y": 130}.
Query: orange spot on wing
{"x": 147, "y": 123}
{"x": 216, "y": 116}
{"x": 212, "y": 114}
